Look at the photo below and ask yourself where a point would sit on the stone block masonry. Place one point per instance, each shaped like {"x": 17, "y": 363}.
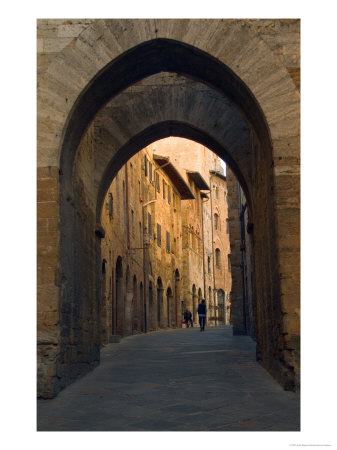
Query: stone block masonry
{"x": 47, "y": 289}
{"x": 236, "y": 92}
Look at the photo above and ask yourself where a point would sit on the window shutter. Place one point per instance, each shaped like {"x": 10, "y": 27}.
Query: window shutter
{"x": 159, "y": 235}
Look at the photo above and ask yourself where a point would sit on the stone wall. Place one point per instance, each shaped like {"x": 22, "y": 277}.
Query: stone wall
{"x": 249, "y": 66}
{"x": 237, "y": 315}
{"x": 48, "y": 333}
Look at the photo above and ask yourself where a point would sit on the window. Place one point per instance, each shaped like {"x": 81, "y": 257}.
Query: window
{"x": 169, "y": 194}
{"x": 159, "y": 235}
{"x": 150, "y": 172}
{"x": 227, "y": 226}
{"x": 229, "y": 263}
{"x": 133, "y": 222}
{"x": 168, "y": 248}
{"x": 110, "y": 205}
{"x": 209, "y": 264}
{"x": 149, "y": 223}
{"x": 157, "y": 182}
{"x": 217, "y": 258}
{"x": 216, "y": 221}
{"x": 131, "y": 174}
{"x": 145, "y": 165}
{"x": 164, "y": 189}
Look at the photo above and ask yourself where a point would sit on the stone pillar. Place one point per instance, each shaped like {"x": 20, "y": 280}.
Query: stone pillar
{"x": 237, "y": 311}
{"x": 48, "y": 332}
{"x": 287, "y": 199}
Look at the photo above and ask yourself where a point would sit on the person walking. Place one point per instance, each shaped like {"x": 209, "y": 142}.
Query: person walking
{"x": 202, "y": 310}
{"x": 188, "y": 318}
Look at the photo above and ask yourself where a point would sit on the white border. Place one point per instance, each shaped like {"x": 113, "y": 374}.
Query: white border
{"x": 18, "y": 194}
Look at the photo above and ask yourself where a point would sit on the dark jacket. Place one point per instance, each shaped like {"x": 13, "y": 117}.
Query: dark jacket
{"x": 202, "y": 308}
{"x": 187, "y": 315}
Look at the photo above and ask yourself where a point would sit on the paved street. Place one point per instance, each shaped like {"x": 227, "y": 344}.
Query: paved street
{"x": 176, "y": 380}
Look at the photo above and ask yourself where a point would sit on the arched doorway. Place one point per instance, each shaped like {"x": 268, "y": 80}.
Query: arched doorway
{"x": 135, "y": 306}
{"x": 177, "y": 302}
{"x": 151, "y": 308}
{"x": 170, "y": 308}
{"x": 142, "y": 309}
{"x": 118, "y": 310}
{"x": 160, "y": 299}
{"x": 128, "y": 299}
{"x": 103, "y": 306}
{"x": 221, "y": 305}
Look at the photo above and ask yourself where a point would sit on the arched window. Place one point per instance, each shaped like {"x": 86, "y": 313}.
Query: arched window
{"x": 217, "y": 258}
{"x": 131, "y": 174}
{"x": 216, "y": 221}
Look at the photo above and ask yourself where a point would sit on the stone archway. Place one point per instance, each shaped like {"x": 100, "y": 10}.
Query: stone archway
{"x": 67, "y": 144}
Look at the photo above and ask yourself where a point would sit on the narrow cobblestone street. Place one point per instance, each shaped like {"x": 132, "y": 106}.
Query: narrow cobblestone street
{"x": 176, "y": 380}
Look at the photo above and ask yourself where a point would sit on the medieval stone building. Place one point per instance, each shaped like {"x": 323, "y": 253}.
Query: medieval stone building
{"x": 108, "y": 88}
{"x": 157, "y": 252}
